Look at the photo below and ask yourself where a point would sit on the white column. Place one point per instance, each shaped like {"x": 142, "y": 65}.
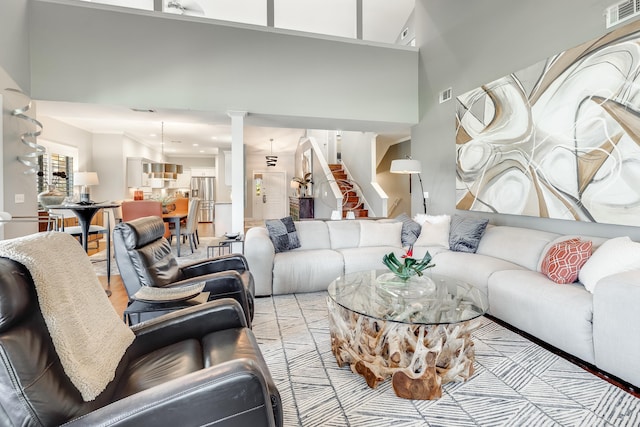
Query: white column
{"x": 237, "y": 170}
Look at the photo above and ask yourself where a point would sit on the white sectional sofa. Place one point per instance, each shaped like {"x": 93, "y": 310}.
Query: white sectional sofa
{"x": 600, "y": 327}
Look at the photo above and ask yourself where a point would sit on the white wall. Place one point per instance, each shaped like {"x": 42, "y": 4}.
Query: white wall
{"x": 14, "y": 43}
{"x": 14, "y": 73}
{"x": 465, "y": 47}
{"x": 396, "y": 185}
{"x": 359, "y": 154}
{"x": 142, "y": 59}
{"x": 14, "y": 180}
{"x": 62, "y": 133}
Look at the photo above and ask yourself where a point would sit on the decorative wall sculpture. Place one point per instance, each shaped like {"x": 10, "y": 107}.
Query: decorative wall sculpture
{"x": 559, "y": 139}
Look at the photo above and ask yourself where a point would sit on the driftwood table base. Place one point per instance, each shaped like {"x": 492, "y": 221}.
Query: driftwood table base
{"x": 418, "y": 358}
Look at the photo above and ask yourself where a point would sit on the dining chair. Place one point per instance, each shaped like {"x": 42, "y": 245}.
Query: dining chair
{"x": 191, "y": 226}
{"x": 133, "y": 209}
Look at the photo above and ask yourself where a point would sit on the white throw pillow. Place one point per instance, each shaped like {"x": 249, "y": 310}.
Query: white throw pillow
{"x": 435, "y": 230}
{"x": 420, "y": 218}
{"x": 613, "y": 256}
{"x": 375, "y": 233}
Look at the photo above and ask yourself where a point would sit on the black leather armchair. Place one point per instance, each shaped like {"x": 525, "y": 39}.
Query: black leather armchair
{"x": 144, "y": 258}
{"x": 198, "y": 366}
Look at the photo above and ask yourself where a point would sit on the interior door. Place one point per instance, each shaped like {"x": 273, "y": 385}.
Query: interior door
{"x": 269, "y": 195}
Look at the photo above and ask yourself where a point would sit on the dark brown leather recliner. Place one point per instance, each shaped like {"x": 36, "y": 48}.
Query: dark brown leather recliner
{"x": 198, "y": 366}
{"x": 144, "y": 258}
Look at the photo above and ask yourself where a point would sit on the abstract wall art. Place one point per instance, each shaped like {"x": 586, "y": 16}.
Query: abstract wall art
{"x": 559, "y": 139}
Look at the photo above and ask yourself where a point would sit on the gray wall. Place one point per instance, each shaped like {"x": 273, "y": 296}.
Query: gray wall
{"x": 14, "y": 42}
{"x": 15, "y": 74}
{"x": 465, "y": 47}
{"x": 141, "y": 59}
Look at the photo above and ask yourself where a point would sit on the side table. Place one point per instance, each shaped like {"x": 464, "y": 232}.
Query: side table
{"x": 224, "y": 245}
{"x": 137, "y": 308}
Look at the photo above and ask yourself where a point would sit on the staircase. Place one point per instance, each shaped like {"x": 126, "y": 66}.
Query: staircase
{"x": 350, "y": 199}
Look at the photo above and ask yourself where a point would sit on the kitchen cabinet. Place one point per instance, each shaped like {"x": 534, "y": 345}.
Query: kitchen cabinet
{"x": 136, "y": 177}
{"x": 203, "y": 171}
{"x": 184, "y": 180}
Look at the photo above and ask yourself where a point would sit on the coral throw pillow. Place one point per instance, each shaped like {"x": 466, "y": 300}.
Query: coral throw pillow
{"x": 563, "y": 261}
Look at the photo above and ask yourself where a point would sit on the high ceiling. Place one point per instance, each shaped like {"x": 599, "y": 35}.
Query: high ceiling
{"x": 193, "y": 133}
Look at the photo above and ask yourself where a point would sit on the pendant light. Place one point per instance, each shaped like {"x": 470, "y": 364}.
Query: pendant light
{"x": 165, "y": 170}
{"x": 271, "y": 160}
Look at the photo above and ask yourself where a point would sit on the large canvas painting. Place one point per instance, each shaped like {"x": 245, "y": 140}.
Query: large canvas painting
{"x": 559, "y": 139}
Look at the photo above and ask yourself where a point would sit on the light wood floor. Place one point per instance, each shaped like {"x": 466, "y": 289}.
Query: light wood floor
{"x": 119, "y": 298}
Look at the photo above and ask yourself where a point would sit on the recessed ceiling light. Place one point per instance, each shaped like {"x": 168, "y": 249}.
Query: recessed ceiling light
{"x": 152, "y": 134}
{"x": 195, "y": 145}
{"x": 214, "y": 137}
{"x": 202, "y": 151}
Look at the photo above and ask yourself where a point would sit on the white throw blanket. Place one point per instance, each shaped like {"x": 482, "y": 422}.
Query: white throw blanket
{"x": 88, "y": 335}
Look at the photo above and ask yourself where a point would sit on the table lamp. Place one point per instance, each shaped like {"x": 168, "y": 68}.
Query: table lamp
{"x": 85, "y": 180}
{"x": 409, "y": 166}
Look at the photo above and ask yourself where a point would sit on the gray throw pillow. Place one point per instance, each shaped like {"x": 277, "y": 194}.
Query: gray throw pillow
{"x": 410, "y": 229}
{"x": 465, "y": 233}
{"x": 283, "y": 234}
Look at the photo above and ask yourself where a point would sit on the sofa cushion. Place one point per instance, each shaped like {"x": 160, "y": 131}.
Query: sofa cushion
{"x": 366, "y": 258}
{"x": 465, "y": 233}
{"x": 471, "y": 268}
{"x": 613, "y": 256}
{"x": 282, "y": 233}
{"x": 434, "y": 231}
{"x": 313, "y": 235}
{"x": 559, "y": 315}
{"x": 410, "y": 229}
{"x": 344, "y": 234}
{"x": 563, "y": 260}
{"x": 306, "y": 271}
{"x": 376, "y": 233}
{"x": 522, "y": 246}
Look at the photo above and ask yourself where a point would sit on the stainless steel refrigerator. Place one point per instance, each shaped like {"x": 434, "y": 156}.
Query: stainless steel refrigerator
{"x": 204, "y": 188}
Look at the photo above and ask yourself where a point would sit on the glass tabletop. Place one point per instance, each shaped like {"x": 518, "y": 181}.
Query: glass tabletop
{"x": 429, "y": 299}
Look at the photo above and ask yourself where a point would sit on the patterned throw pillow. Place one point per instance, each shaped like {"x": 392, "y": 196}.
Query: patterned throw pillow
{"x": 563, "y": 261}
{"x": 283, "y": 234}
{"x": 465, "y": 233}
{"x": 410, "y": 229}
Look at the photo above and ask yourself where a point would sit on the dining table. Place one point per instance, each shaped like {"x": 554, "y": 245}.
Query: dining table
{"x": 85, "y": 213}
{"x": 175, "y": 218}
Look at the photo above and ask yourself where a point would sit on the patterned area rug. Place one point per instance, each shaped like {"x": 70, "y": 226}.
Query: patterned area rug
{"x": 516, "y": 382}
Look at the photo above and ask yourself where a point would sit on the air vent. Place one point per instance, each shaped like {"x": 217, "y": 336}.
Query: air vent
{"x": 621, "y": 12}
{"x": 445, "y": 95}
{"x": 143, "y": 110}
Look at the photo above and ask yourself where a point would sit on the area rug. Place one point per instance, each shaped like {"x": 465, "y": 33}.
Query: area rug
{"x": 516, "y": 382}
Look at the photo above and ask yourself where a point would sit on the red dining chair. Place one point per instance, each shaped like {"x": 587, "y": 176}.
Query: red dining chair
{"x": 133, "y": 209}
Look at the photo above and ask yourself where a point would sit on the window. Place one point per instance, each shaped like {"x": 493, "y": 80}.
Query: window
{"x": 56, "y": 167}
{"x": 56, "y": 170}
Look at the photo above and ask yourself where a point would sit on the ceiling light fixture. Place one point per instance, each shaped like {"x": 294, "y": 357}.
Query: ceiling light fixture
{"x": 271, "y": 160}
{"x": 165, "y": 170}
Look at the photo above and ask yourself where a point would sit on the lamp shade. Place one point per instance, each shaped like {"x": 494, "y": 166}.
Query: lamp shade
{"x": 86, "y": 178}
{"x": 405, "y": 166}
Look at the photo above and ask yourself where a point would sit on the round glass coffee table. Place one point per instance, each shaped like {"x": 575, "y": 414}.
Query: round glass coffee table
{"x": 418, "y": 332}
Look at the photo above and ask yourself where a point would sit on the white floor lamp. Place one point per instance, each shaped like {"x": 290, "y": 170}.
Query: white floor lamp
{"x": 409, "y": 166}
